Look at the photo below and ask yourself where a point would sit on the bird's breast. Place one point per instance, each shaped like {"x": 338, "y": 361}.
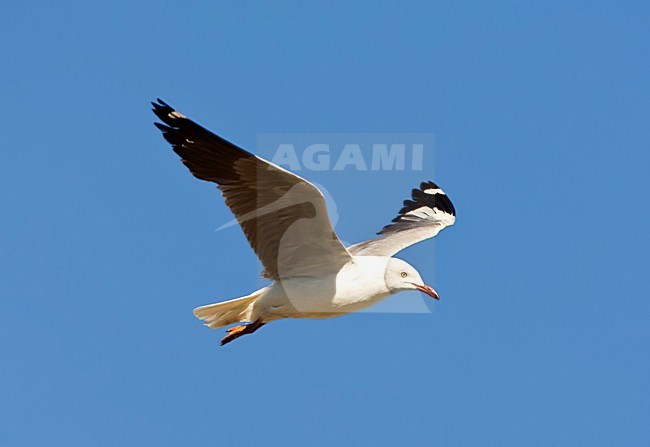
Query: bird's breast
{"x": 350, "y": 289}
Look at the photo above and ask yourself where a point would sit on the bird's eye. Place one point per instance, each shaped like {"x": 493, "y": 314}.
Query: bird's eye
{"x": 403, "y": 274}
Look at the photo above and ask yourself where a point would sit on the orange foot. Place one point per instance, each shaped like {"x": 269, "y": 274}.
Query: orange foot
{"x": 238, "y": 331}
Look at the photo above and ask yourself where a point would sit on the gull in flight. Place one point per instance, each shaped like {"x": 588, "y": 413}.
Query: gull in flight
{"x": 285, "y": 221}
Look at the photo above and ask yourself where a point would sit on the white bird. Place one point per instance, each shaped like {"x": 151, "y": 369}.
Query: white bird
{"x": 285, "y": 221}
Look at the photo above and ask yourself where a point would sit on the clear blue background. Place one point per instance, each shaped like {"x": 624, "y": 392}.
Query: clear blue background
{"x": 540, "y": 112}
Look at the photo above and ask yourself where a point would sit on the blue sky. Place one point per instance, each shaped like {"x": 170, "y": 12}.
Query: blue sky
{"x": 540, "y": 116}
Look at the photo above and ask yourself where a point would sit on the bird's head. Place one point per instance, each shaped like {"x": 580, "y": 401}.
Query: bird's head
{"x": 401, "y": 275}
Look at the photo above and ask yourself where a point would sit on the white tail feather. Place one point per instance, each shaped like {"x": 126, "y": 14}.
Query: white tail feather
{"x": 228, "y": 312}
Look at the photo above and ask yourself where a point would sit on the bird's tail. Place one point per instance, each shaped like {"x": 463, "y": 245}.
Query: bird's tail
{"x": 228, "y": 312}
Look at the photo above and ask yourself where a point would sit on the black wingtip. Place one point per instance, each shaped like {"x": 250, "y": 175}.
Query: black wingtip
{"x": 437, "y": 199}
{"x": 428, "y": 185}
{"x": 166, "y": 113}
{"x": 160, "y": 103}
{"x": 161, "y": 107}
{"x": 161, "y": 126}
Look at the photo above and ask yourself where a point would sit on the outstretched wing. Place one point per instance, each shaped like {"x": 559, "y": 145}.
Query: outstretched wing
{"x": 422, "y": 217}
{"x": 283, "y": 216}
